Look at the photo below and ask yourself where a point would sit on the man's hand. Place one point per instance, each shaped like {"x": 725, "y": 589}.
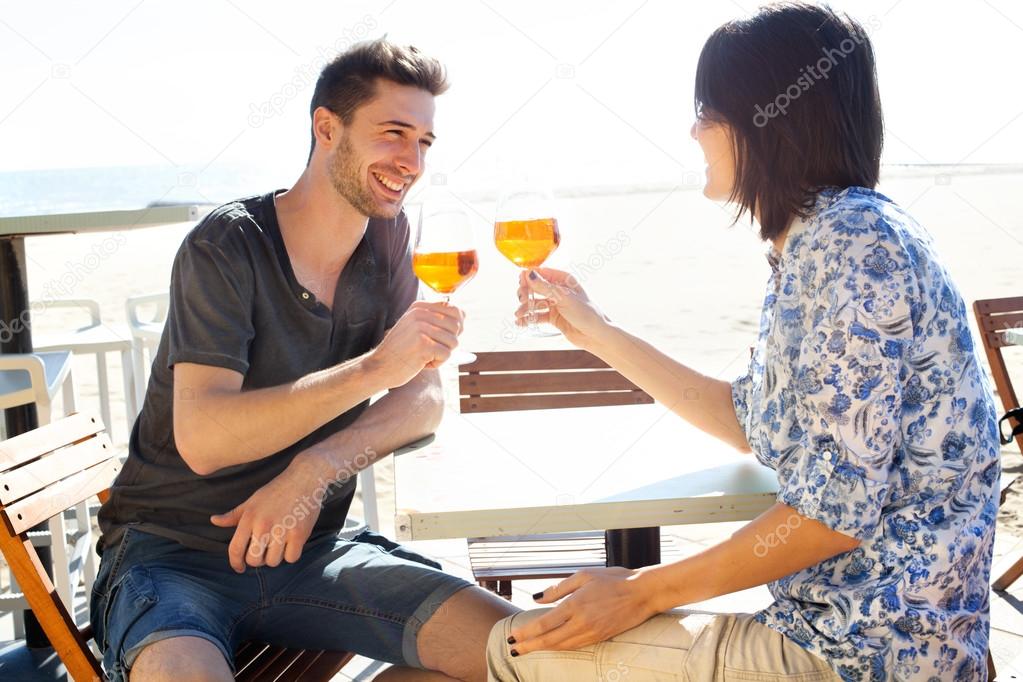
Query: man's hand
{"x": 601, "y": 603}
{"x": 276, "y": 520}
{"x": 422, "y": 338}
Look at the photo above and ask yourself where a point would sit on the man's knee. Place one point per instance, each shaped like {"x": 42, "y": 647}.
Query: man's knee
{"x": 454, "y": 639}
{"x": 181, "y": 658}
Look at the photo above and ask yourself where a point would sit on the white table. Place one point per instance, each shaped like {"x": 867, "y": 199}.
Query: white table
{"x": 551, "y": 471}
{"x": 1013, "y": 336}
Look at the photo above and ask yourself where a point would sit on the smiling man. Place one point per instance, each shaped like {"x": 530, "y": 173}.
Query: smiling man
{"x": 288, "y": 312}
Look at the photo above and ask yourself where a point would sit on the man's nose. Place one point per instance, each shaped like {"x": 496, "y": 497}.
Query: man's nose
{"x": 410, "y": 162}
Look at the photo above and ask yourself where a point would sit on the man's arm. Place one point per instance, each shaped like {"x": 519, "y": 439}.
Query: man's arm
{"x": 217, "y": 425}
{"x": 263, "y": 537}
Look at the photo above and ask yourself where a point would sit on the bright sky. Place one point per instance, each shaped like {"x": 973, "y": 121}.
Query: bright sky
{"x": 596, "y": 92}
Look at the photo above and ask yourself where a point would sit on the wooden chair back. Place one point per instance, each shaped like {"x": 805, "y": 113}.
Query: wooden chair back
{"x": 994, "y": 316}
{"x": 55, "y": 467}
{"x": 541, "y": 380}
{"x": 42, "y": 473}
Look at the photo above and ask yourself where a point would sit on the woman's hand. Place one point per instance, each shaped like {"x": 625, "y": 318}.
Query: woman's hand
{"x": 600, "y": 603}
{"x": 564, "y": 304}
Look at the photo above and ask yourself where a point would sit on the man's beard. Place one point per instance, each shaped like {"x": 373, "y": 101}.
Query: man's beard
{"x": 349, "y": 183}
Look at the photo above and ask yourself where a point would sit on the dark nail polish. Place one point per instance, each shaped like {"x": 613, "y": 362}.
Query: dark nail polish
{"x": 532, "y": 274}
{"x": 514, "y": 653}
{"x": 511, "y": 640}
{"x": 538, "y": 595}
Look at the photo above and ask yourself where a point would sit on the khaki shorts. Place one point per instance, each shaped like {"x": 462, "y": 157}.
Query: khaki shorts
{"x": 678, "y": 645}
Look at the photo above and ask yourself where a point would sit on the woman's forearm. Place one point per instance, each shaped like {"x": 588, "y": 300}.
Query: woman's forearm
{"x": 703, "y": 401}
{"x": 777, "y": 543}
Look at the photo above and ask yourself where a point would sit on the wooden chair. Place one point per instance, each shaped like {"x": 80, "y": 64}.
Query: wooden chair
{"x": 539, "y": 380}
{"x": 995, "y": 315}
{"x": 55, "y": 467}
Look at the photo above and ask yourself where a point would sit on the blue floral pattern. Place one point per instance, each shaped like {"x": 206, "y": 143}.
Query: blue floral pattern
{"x": 865, "y": 393}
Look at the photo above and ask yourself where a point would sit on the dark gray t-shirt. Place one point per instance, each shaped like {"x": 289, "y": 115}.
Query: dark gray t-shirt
{"x": 235, "y": 303}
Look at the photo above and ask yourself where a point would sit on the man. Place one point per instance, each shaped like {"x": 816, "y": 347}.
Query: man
{"x": 288, "y": 311}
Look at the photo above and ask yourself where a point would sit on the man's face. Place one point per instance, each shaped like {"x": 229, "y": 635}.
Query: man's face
{"x": 382, "y": 152}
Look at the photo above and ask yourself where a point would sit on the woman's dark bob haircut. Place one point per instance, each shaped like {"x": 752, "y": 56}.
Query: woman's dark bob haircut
{"x": 797, "y": 87}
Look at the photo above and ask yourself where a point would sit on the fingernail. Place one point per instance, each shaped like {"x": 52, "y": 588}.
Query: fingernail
{"x": 538, "y": 595}
{"x": 511, "y": 640}
{"x": 514, "y": 653}
{"x": 533, "y": 275}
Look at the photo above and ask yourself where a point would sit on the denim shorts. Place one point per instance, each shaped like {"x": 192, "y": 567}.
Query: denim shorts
{"x": 367, "y": 595}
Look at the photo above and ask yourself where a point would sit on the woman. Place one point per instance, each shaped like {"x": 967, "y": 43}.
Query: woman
{"x": 864, "y": 393}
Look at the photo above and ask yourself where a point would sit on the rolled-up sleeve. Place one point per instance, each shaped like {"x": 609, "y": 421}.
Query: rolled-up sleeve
{"x": 210, "y": 320}
{"x": 847, "y": 401}
{"x": 741, "y": 393}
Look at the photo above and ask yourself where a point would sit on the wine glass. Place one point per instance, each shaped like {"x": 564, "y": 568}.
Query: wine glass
{"x": 444, "y": 257}
{"x": 526, "y": 233}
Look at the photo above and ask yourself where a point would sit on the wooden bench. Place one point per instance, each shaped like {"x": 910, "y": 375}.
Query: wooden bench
{"x": 55, "y": 467}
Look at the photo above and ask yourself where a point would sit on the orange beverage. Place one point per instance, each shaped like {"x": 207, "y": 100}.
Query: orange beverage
{"x": 445, "y": 271}
{"x": 527, "y": 243}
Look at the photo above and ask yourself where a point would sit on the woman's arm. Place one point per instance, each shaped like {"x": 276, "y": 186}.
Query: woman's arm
{"x": 601, "y": 603}
{"x": 703, "y": 401}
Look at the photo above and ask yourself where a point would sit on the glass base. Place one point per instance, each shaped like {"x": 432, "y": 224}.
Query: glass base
{"x": 541, "y": 331}
{"x": 461, "y": 357}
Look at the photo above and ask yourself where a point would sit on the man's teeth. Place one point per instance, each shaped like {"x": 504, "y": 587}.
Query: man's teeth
{"x": 393, "y": 186}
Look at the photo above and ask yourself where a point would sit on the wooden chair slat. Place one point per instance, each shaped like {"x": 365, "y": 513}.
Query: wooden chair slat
{"x": 553, "y": 401}
{"x": 54, "y": 499}
{"x": 993, "y": 323}
{"x": 46, "y": 470}
{"x": 275, "y": 661}
{"x": 27, "y": 446}
{"x": 994, "y": 339}
{"x": 993, "y": 306}
{"x": 246, "y": 654}
{"x": 254, "y": 671}
{"x": 297, "y": 671}
{"x": 523, "y": 361}
{"x": 547, "y": 382}
{"x": 327, "y": 665}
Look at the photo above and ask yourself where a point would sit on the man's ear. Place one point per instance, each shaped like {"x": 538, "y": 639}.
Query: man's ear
{"x": 326, "y": 127}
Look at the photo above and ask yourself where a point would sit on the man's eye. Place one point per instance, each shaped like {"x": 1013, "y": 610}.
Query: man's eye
{"x": 396, "y": 132}
{"x": 426, "y": 143}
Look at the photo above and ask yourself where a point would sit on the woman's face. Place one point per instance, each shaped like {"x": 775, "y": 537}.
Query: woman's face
{"x": 716, "y": 142}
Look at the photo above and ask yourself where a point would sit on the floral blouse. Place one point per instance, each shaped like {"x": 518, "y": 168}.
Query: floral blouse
{"x": 865, "y": 394}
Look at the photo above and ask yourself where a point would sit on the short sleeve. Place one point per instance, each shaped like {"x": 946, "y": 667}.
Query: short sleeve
{"x": 847, "y": 399}
{"x": 404, "y": 286}
{"x": 210, "y": 317}
{"x": 741, "y": 394}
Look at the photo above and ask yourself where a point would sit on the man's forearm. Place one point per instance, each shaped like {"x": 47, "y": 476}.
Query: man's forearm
{"x": 403, "y": 415}
{"x": 777, "y": 543}
{"x": 226, "y": 427}
{"x": 703, "y": 401}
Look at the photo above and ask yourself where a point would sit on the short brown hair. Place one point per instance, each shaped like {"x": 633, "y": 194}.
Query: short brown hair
{"x": 794, "y": 129}
{"x": 349, "y": 81}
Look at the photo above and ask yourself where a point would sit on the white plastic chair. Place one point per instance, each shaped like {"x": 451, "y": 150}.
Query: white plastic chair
{"x": 98, "y": 339}
{"x": 38, "y": 378}
{"x": 146, "y": 334}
